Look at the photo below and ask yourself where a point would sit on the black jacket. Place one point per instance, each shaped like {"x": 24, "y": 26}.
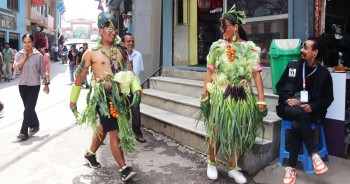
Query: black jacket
{"x": 322, "y": 91}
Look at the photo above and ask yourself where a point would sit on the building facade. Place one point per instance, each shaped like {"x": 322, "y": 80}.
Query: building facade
{"x": 43, "y": 21}
{"x": 180, "y": 32}
{"x": 147, "y": 29}
{"x": 12, "y": 22}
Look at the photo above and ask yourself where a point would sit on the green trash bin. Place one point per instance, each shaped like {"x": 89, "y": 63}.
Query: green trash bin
{"x": 282, "y": 51}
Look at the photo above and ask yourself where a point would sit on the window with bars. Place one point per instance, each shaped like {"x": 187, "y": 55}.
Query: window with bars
{"x": 12, "y": 5}
{"x": 266, "y": 20}
{"x": 49, "y": 10}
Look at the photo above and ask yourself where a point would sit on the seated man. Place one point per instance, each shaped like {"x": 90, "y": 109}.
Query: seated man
{"x": 305, "y": 92}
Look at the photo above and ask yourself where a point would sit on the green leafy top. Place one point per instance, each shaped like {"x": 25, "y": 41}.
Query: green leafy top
{"x": 247, "y": 56}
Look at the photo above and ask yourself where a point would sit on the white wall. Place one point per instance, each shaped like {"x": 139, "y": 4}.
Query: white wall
{"x": 147, "y": 32}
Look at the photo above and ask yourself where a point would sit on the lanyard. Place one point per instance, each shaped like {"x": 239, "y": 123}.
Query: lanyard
{"x": 304, "y": 78}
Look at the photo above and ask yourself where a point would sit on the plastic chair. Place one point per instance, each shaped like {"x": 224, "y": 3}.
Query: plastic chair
{"x": 304, "y": 158}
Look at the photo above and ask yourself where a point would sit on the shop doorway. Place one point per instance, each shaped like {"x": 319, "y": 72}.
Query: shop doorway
{"x": 13, "y": 40}
{"x": 2, "y": 39}
{"x": 336, "y": 22}
{"x": 337, "y": 19}
{"x": 208, "y": 32}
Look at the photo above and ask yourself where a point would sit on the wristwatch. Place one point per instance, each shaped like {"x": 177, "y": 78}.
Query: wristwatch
{"x": 287, "y": 101}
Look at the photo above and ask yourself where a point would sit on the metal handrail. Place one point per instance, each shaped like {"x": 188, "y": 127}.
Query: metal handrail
{"x": 153, "y": 75}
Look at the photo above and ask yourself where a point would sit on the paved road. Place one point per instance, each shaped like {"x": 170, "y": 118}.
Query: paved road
{"x": 55, "y": 153}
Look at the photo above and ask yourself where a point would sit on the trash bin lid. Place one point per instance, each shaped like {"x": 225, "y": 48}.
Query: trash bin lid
{"x": 287, "y": 44}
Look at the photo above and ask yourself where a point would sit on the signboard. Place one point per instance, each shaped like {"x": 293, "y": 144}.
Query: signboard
{"x": 13, "y": 36}
{"x": 8, "y": 19}
{"x": 38, "y": 2}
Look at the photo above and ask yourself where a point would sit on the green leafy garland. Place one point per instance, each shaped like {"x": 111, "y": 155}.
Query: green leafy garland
{"x": 234, "y": 15}
{"x": 97, "y": 96}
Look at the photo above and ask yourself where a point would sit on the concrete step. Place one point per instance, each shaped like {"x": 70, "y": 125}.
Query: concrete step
{"x": 179, "y": 104}
{"x": 185, "y": 130}
{"x": 193, "y": 88}
{"x": 187, "y": 87}
{"x": 270, "y": 98}
{"x": 189, "y": 107}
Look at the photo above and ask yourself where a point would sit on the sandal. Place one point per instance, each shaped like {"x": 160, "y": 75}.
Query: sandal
{"x": 22, "y": 137}
{"x": 141, "y": 139}
{"x": 33, "y": 130}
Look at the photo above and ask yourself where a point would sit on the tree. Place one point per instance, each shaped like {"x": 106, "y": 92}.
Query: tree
{"x": 80, "y": 32}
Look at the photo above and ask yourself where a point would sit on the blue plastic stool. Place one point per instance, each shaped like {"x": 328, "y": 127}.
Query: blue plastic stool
{"x": 304, "y": 158}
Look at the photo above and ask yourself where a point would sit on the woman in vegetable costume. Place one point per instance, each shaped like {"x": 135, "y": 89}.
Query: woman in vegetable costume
{"x": 107, "y": 101}
{"x": 233, "y": 117}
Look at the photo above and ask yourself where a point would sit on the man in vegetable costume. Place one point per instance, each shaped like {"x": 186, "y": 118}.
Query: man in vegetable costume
{"x": 233, "y": 117}
{"x": 107, "y": 101}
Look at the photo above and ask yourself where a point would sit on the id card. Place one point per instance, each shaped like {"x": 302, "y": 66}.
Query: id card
{"x": 304, "y": 96}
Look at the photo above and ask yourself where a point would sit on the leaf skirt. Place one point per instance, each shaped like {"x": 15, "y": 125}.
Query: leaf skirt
{"x": 233, "y": 121}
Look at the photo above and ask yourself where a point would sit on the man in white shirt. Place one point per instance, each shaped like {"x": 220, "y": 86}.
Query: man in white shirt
{"x": 55, "y": 51}
{"x": 135, "y": 59}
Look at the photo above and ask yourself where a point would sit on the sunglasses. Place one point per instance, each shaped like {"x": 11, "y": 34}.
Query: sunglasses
{"x": 303, "y": 45}
{"x": 111, "y": 29}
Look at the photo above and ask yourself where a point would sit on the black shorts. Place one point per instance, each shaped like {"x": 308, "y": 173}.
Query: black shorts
{"x": 108, "y": 124}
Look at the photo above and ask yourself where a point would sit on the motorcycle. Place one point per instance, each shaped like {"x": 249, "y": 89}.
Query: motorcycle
{"x": 64, "y": 57}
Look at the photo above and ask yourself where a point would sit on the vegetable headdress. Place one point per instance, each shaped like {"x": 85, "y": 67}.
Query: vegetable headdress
{"x": 105, "y": 17}
{"x": 234, "y": 15}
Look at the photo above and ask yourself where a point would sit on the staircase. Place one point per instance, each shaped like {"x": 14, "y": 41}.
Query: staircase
{"x": 171, "y": 106}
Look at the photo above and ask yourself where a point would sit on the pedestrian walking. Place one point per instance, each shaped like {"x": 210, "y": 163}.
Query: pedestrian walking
{"x": 112, "y": 80}
{"x": 128, "y": 22}
{"x": 7, "y": 54}
{"x": 72, "y": 56}
{"x": 12, "y": 62}
{"x": 30, "y": 65}
{"x": 55, "y": 51}
{"x": 233, "y": 116}
{"x": 136, "y": 61}
{"x": 47, "y": 64}
{"x": 79, "y": 58}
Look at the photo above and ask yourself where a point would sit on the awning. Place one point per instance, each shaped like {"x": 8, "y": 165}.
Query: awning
{"x": 61, "y": 7}
{"x": 38, "y": 2}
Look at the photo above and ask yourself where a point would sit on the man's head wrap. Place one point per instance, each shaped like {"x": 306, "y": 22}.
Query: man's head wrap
{"x": 234, "y": 16}
{"x": 105, "y": 17}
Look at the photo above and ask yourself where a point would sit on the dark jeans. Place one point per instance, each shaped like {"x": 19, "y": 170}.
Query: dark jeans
{"x": 136, "y": 119}
{"x": 56, "y": 56}
{"x": 29, "y": 95}
{"x": 301, "y": 132}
